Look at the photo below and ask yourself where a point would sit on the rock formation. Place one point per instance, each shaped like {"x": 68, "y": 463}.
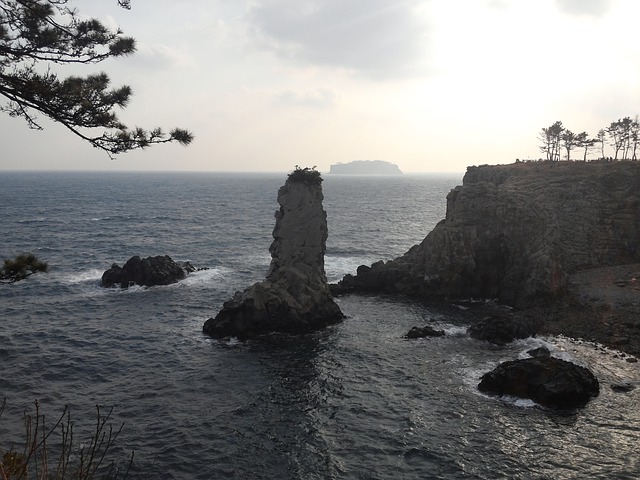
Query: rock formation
{"x": 516, "y": 232}
{"x": 295, "y": 296}
{"x": 150, "y": 271}
{"x": 504, "y": 328}
{"x": 422, "y": 332}
{"x": 548, "y": 381}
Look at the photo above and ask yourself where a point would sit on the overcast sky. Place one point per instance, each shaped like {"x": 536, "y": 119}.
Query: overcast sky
{"x": 431, "y": 85}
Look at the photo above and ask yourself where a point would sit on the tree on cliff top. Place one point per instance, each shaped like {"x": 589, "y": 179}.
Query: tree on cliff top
{"x": 550, "y": 138}
{"x": 35, "y": 35}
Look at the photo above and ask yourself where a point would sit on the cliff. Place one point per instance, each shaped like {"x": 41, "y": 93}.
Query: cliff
{"x": 295, "y": 296}
{"x": 517, "y": 232}
{"x": 365, "y": 167}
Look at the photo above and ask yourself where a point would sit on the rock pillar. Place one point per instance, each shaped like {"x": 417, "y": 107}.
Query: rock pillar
{"x": 295, "y": 296}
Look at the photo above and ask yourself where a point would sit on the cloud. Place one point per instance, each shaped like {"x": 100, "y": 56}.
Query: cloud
{"x": 319, "y": 98}
{"x": 375, "y": 38}
{"x": 584, "y": 7}
{"x": 158, "y": 56}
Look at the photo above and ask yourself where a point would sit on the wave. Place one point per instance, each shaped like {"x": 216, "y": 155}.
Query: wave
{"x": 337, "y": 267}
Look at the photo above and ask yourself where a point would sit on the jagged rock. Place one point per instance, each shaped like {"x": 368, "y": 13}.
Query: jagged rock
{"x": 516, "y": 232}
{"x": 150, "y": 271}
{"x": 503, "y": 329}
{"x": 295, "y": 296}
{"x": 426, "y": 331}
{"x": 188, "y": 267}
{"x": 549, "y": 381}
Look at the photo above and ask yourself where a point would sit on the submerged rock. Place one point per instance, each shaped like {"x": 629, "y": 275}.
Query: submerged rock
{"x": 295, "y": 296}
{"x": 150, "y": 271}
{"x": 540, "y": 352}
{"x": 503, "y": 329}
{"x": 548, "y": 381}
{"x": 426, "y": 331}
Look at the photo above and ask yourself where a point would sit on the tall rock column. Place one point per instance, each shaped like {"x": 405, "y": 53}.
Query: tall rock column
{"x": 295, "y": 295}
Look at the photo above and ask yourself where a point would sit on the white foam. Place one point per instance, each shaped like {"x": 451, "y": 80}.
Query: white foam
{"x": 338, "y": 267}
{"x": 205, "y": 276}
{"x": 75, "y": 278}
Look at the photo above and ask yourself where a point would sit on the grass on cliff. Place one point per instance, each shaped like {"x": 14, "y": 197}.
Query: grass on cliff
{"x": 307, "y": 175}
{"x": 52, "y": 452}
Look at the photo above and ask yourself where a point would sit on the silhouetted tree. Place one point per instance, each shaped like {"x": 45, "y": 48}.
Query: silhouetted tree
{"x": 21, "y": 267}
{"x": 601, "y": 137}
{"x": 569, "y": 141}
{"x": 551, "y": 137}
{"x": 583, "y": 141}
{"x": 634, "y": 137}
{"x": 35, "y": 35}
{"x": 620, "y": 134}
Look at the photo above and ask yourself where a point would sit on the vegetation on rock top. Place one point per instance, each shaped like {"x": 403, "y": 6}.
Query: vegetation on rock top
{"x": 307, "y": 175}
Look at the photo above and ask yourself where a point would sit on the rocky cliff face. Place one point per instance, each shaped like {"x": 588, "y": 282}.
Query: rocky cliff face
{"x": 295, "y": 296}
{"x": 515, "y": 232}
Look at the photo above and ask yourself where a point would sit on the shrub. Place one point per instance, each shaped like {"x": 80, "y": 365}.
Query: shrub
{"x": 307, "y": 175}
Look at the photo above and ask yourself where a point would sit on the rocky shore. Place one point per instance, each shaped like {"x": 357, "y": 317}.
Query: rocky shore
{"x": 602, "y": 305}
{"x": 555, "y": 240}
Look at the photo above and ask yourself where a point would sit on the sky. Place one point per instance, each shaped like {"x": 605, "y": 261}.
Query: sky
{"x": 430, "y": 85}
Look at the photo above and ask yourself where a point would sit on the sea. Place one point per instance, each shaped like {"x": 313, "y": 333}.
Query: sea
{"x": 356, "y": 400}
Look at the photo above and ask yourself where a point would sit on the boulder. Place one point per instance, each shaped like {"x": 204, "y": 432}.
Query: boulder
{"x": 540, "y": 352}
{"x": 295, "y": 296}
{"x": 148, "y": 272}
{"x": 426, "y": 331}
{"x": 548, "y": 381}
{"x": 505, "y": 328}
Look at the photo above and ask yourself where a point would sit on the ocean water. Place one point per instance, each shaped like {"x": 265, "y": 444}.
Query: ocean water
{"x": 354, "y": 401}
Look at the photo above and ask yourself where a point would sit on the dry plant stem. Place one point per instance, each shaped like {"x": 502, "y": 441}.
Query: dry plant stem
{"x": 35, "y": 454}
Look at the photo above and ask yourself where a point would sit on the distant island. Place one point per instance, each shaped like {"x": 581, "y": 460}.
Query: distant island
{"x": 365, "y": 167}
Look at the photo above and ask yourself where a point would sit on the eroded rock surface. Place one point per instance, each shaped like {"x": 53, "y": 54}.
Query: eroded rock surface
{"x": 295, "y": 296}
{"x": 516, "y": 232}
{"x": 548, "y": 381}
{"x": 148, "y": 272}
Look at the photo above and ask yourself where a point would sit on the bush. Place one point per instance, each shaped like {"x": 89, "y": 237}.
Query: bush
{"x": 21, "y": 267}
{"x": 87, "y": 462}
{"x": 307, "y": 175}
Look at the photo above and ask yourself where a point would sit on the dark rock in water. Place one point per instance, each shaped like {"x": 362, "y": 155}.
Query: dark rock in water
{"x": 503, "y": 329}
{"x": 295, "y": 296}
{"x": 112, "y": 277}
{"x": 426, "y": 331}
{"x": 188, "y": 267}
{"x": 549, "y": 381}
{"x": 540, "y": 352}
{"x": 150, "y": 271}
{"x": 622, "y": 387}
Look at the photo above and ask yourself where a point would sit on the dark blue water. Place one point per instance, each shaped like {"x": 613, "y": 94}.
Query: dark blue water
{"x": 354, "y": 401}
